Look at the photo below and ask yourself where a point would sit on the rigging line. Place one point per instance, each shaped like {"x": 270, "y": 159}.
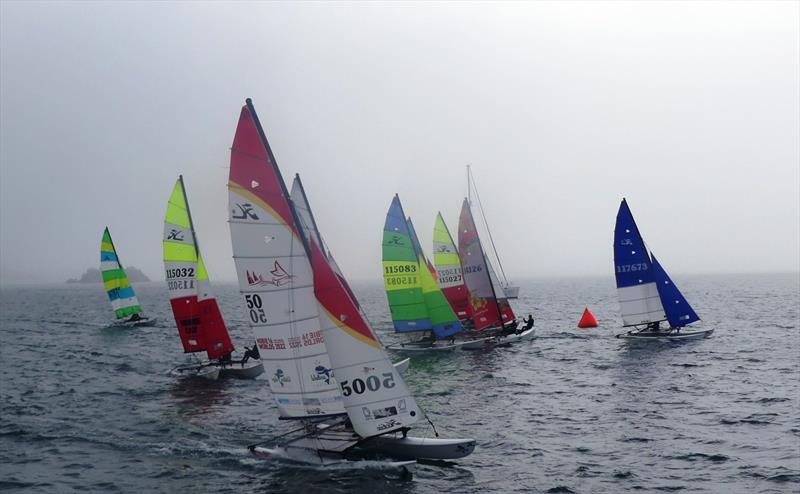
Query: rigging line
{"x": 431, "y": 422}
{"x": 486, "y": 224}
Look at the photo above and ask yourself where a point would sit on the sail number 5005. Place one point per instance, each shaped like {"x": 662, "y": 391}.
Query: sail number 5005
{"x": 254, "y": 303}
{"x": 372, "y": 383}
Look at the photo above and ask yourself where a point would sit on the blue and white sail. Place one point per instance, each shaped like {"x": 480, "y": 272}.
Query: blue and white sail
{"x": 679, "y": 312}
{"x": 639, "y": 298}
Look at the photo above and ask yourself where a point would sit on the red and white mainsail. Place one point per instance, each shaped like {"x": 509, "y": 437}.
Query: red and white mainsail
{"x": 276, "y": 280}
{"x": 308, "y": 305}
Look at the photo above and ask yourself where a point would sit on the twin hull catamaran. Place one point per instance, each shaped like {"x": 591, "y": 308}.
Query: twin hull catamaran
{"x": 324, "y": 364}
{"x": 197, "y": 315}
{"x": 120, "y": 292}
{"x": 647, "y": 295}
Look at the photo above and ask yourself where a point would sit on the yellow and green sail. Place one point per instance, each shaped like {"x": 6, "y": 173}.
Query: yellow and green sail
{"x": 448, "y": 269}
{"x": 115, "y": 281}
{"x": 197, "y": 316}
{"x": 444, "y": 321}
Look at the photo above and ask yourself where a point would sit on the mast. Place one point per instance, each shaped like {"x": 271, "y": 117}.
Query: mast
{"x": 485, "y": 223}
{"x": 189, "y": 214}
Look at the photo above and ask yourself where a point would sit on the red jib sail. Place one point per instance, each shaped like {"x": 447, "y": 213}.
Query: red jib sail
{"x": 197, "y": 315}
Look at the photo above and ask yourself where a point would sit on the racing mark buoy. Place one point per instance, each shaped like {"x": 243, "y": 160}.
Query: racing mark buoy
{"x": 587, "y": 320}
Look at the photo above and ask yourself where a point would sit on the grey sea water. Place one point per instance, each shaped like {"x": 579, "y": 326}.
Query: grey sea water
{"x": 88, "y": 408}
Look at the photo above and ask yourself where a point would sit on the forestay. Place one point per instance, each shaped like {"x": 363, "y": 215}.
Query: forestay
{"x": 115, "y": 280}
{"x": 679, "y": 312}
{"x": 276, "y": 280}
{"x": 197, "y": 315}
{"x": 483, "y": 303}
{"x": 448, "y": 268}
{"x": 638, "y": 294}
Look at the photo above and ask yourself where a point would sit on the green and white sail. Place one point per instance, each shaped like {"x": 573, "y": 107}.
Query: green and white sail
{"x": 115, "y": 281}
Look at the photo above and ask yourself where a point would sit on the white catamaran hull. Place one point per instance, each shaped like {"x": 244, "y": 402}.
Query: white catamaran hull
{"x": 419, "y": 448}
{"x": 508, "y": 339}
{"x": 668, "y": 335}
{"x": 318, "y": 458}
{"x": 214, "y": 370}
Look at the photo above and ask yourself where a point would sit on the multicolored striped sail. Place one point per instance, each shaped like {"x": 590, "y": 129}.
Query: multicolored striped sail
{"x": 119, "y": 289}
{"x": 639, "y": 299}
{"x": 401, "y": 274}
{"x": 448, "y": 269}
{"x": 312, "y": 329}
{"x": 484, "y": 308}
{"x": 197, "y": 315}
{"x": 444, "y": 321}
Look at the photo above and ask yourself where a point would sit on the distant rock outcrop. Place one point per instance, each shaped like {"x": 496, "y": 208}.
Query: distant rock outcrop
{"x": 93, "y": 275}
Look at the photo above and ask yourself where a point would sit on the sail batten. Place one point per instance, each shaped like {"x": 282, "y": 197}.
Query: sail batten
{"x": 115, "y": 280}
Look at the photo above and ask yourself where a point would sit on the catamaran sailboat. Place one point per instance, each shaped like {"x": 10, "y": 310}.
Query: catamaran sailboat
{"x": 120, "y": 292}
{"x": 489, "y": 308}
{"x": 326, "y": 367}
{"x": 197, "y": 315}
{"x": 647, "y": 295}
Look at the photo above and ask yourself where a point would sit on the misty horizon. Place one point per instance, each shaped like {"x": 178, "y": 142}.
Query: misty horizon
{"x": 689, "y": 110}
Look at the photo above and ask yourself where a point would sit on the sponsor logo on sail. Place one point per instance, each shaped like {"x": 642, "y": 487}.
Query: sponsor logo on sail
{"x": 279, "y": 277}
{"x": 175, "y": 235}
{"x": 245, "y": 212}
{"x": 280, "y": 377}
{"x": 322, "y": 373}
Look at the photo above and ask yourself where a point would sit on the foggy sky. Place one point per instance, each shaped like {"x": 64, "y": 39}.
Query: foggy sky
{"x": 690, "y": 110}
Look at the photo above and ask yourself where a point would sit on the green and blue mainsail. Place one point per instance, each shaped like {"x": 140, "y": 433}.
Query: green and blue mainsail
{"x": 115, "y": 281}
{"x": 406, "y": 278}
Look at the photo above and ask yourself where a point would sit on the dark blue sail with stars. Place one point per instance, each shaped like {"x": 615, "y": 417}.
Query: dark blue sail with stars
{"x": 632, "y": 264}
{"x": 679, "y": 312}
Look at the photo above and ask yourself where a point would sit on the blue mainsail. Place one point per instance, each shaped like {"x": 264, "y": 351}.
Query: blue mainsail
{"x": 679, "y": 312}
{"x": 638, "y": 295}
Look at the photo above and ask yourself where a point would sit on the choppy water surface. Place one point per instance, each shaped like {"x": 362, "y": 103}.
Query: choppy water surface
{"x": 88, "y": 408}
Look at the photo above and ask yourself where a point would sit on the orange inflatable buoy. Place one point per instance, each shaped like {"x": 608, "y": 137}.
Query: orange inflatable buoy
{"x": 587, "y": 320}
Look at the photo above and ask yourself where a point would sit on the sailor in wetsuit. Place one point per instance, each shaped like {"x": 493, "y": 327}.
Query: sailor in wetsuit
{"x": 250, "y": 352}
